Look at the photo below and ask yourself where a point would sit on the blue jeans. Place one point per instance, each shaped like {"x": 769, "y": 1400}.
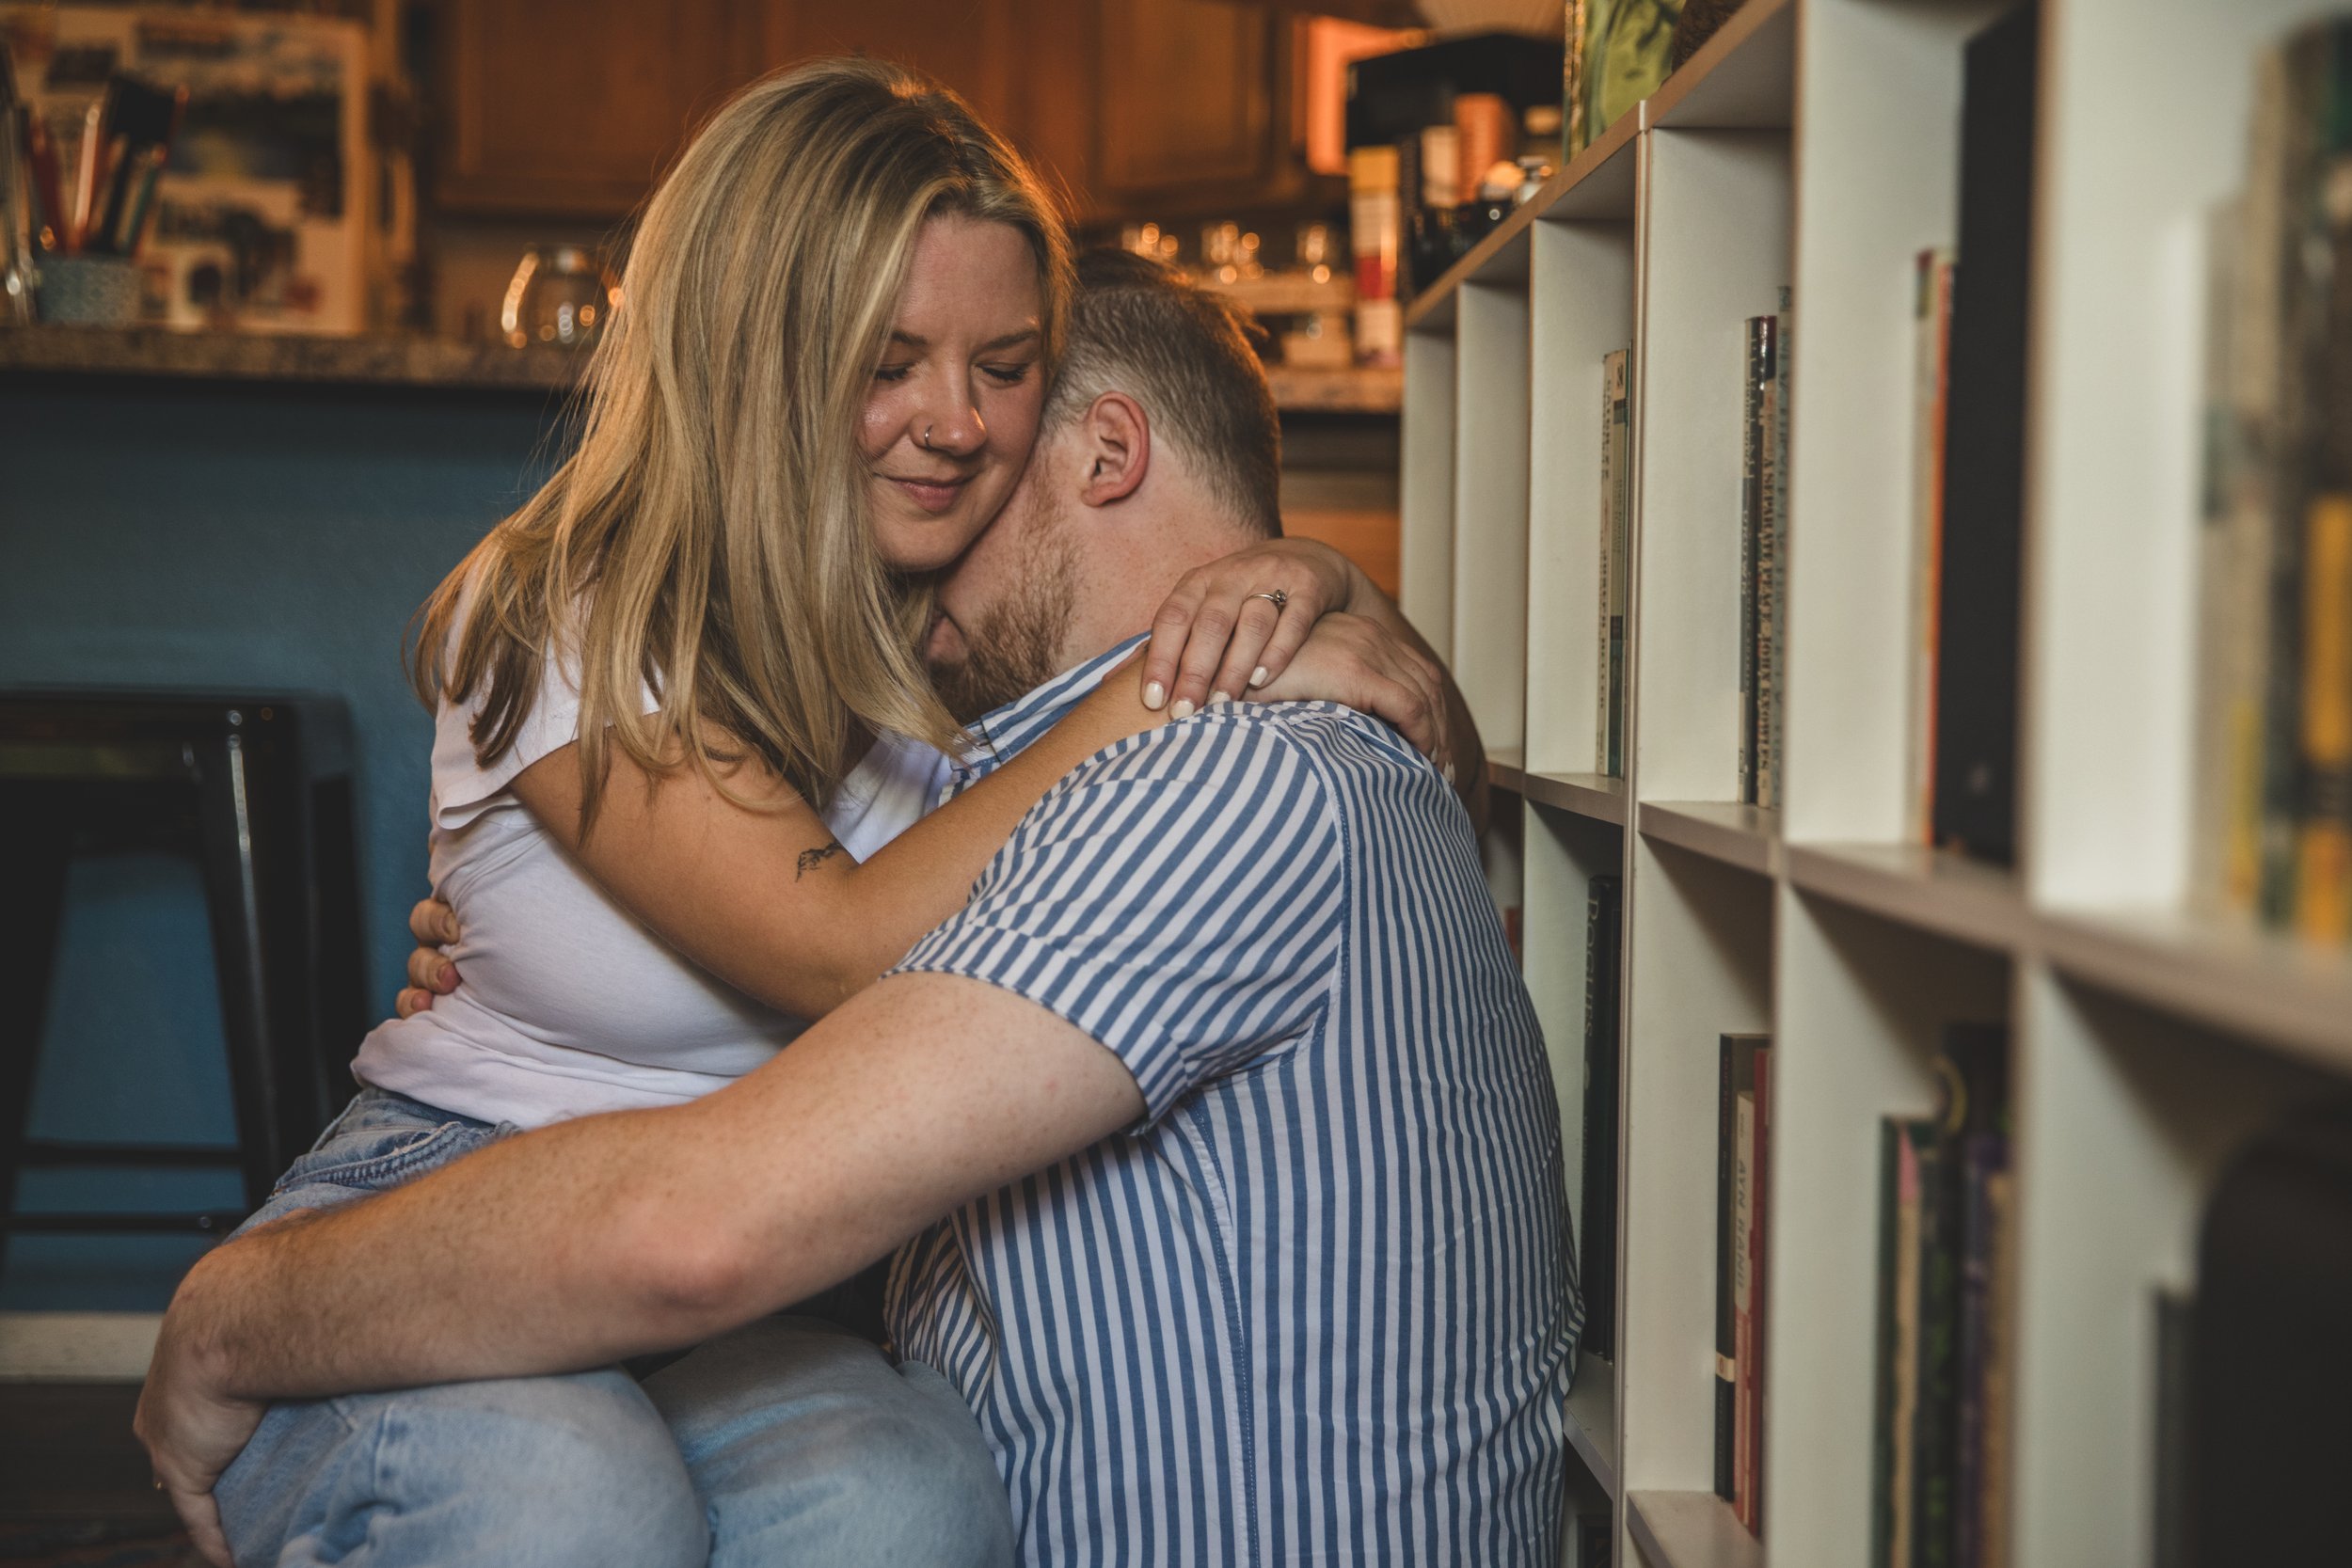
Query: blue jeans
{"x": 784, "y": 1442}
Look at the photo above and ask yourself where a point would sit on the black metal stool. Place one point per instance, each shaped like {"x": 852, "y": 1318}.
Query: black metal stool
{"x": 258, "y": 788}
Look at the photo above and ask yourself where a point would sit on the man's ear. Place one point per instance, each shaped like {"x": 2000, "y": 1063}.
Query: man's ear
{"x": 1115, "y": 443}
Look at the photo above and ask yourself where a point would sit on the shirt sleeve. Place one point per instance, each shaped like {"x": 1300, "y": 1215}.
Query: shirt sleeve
{"x": 463, "y": 788}
{"x": 1180, "y": 898}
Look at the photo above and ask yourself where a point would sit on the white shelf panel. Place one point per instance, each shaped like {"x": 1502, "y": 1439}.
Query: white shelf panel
{"x": 1746, "y": 836}
{"x": 2239, "y": 979}
{"x": 1593, "y": 1421}
{"x": 1690, "y": 1529}
{"x": 1598, "y": 183}
{"x": 1598, "y": 796}
{"x": 1744, "y": 79}
{"x": 1929, "y": 890}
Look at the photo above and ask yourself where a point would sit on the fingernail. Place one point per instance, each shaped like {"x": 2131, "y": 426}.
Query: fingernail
{"x": 448, "y": 974}
{"x": 1154, "y": 694}
{"x": 1182, "y": 709}
{"x": 1257, "y": 677}
{"x": 1217, "y": 697}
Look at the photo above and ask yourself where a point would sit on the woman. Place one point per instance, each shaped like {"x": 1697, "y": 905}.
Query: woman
{"x": 653, "y": 686}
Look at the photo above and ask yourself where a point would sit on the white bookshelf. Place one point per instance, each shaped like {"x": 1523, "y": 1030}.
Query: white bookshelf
{"x": 1814, "y": 143}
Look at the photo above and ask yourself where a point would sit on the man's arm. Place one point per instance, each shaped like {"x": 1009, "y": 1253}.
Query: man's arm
{"x": 612, "y": 1235}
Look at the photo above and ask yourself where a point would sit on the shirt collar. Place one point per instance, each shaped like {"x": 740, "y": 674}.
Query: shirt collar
{"x": 1005, "y": 734}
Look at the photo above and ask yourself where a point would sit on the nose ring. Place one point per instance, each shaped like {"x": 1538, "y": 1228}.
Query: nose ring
{"x": 925, "y": 441}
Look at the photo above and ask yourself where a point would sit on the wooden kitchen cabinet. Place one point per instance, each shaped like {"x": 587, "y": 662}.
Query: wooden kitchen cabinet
{"x": 1139, "y": 108}
{"x": 573, "y": 108}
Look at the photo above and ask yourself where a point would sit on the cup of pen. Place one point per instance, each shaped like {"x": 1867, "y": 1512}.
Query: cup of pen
{"x": 91, "y": 228}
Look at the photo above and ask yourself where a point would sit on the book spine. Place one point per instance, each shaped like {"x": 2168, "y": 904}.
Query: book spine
{"x": 1773, "y": 649}
{"x": 1934, "y": 1420}
{"x": 1994, "y": 1469}
{"x": 2176, "y": 1480}
{"x": 1984, "y": 484}
{"x": 1912, "y": 1138}
{"x": 1983, "y": 1158}
{"x": 1931, "y": 315}
{"x": 1742, "y": 1298}
{"x": 1727, "y": 1239}
{"x": 1754, "y": 390}
{"x": 1751, "y": 1365}
{"x": 2322, "y": 872}
{"x": 1882, "y": 1362}
{"x": 1621, "y": 537}
{"x": 1597, "y": 1258}
{"x": 1605, "y": 666}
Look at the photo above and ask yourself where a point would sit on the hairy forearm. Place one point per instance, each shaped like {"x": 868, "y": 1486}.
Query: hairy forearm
{"x": 526, "y": 1258}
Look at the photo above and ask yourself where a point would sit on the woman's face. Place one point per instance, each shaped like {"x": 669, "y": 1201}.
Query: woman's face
{"x": 954, "y": 405}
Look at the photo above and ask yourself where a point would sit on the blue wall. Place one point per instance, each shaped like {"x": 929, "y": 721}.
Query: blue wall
{"x": 195, "y": 535}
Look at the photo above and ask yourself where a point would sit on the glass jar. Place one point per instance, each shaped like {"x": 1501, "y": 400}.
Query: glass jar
{"x": 559, "y": 294}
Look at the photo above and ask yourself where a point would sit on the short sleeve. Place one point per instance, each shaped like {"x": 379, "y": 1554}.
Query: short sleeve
{"x": 463, "y": 788}
{"x": 1180, "y": 899}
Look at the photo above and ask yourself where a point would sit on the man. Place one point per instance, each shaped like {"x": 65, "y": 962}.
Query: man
{"x": 1218, "y": 1119}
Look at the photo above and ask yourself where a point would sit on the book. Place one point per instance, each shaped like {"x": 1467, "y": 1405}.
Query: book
{"x": 1742, "y": 1292}
{"x": 1978, "y": 580}
{"x": 1735, "y": 1076}
{"x": 1901, "y": 1143}
{"x": 1772, "y": 567}
{"x": 1756, "y": 393}
{"x": 1757, "y": 1141}
{"x": 1617, "y": 556}
{"x": 1597, "y": 1236}
{"x": 1980, "y": 1477}
{"x": 2233, "y": 546}
{"x": 1931, "y": 322}
{"x": 2175, "y": 1313}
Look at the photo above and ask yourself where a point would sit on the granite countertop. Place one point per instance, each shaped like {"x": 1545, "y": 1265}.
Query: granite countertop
{"x": 387, "y": 360}
{"x": 420, "y": 361}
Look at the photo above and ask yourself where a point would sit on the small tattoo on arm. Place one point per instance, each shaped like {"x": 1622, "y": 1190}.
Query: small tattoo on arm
{"x": 816, "y": 856}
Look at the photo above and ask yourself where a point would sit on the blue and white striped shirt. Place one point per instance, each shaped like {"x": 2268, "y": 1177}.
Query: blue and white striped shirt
{"x": 1320, "y": 1305}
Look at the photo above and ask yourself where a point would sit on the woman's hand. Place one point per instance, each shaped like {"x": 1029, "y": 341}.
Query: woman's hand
{"x": 434, "y": 925}
{"x": 1218, "y": 635}
{"x": 1355, "y": 660}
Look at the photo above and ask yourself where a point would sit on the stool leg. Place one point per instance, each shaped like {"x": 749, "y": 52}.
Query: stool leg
{"x": 232, "y": 894}
{"x": 33, "y": 854}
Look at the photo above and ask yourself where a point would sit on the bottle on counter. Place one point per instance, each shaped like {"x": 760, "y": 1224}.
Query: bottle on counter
{"x": 1374, "y": 214}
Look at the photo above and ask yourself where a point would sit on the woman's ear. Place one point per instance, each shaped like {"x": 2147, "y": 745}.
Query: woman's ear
{"x": 1116, "y": 443}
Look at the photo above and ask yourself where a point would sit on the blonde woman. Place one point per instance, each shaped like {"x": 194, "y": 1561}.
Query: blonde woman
{"x": 684, "y": 740}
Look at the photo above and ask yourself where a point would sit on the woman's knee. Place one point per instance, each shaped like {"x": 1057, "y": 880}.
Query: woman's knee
{"x": 519, "y": 1472}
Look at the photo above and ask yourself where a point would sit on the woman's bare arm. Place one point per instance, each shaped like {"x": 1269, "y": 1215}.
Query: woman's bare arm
{"x": 763, "y": 896}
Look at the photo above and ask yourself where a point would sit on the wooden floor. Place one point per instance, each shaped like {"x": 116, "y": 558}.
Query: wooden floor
{"x": 74, "y": 1483}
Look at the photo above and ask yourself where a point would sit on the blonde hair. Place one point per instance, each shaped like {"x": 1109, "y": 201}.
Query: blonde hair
{"x": 708, "y": 536}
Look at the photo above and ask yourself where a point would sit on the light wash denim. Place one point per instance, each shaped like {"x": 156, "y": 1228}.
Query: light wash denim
{"x": 783, "y": 1443}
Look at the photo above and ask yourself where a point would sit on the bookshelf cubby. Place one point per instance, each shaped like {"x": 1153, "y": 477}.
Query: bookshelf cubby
{"x": 1814, "y": 143}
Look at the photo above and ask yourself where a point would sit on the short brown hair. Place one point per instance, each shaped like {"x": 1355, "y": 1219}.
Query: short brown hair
{"x": 1184, "y": 354}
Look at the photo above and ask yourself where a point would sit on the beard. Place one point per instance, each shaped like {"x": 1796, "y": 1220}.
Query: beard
{"x": 1016, "y": 646}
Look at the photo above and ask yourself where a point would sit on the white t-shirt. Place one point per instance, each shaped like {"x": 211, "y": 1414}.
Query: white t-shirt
{"x": 568, "y": 1006}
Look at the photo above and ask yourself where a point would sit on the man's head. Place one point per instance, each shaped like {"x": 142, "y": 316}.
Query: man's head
{"x": 1159, "y": 450}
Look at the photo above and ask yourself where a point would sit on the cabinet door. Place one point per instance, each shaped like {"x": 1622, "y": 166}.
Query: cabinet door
{"x": 1195, "y": 105}
{"x": 558, "y": 107}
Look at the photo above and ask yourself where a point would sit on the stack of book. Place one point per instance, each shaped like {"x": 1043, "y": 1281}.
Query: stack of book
{"x": 1945, "y": 1205}
{"x": 2274, "y": 829}
{"x": 1763, "y": 553}
{"x": 1742, "y": 1144}
{"x": 1616, "y": 554}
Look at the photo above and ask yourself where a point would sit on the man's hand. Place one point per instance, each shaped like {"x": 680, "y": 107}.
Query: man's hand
{"x": 192, "y": 1430}
{"x": 434, "y": 925}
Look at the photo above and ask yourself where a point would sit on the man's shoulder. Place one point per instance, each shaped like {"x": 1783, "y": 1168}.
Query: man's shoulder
{"x": 1339, "y": 748}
